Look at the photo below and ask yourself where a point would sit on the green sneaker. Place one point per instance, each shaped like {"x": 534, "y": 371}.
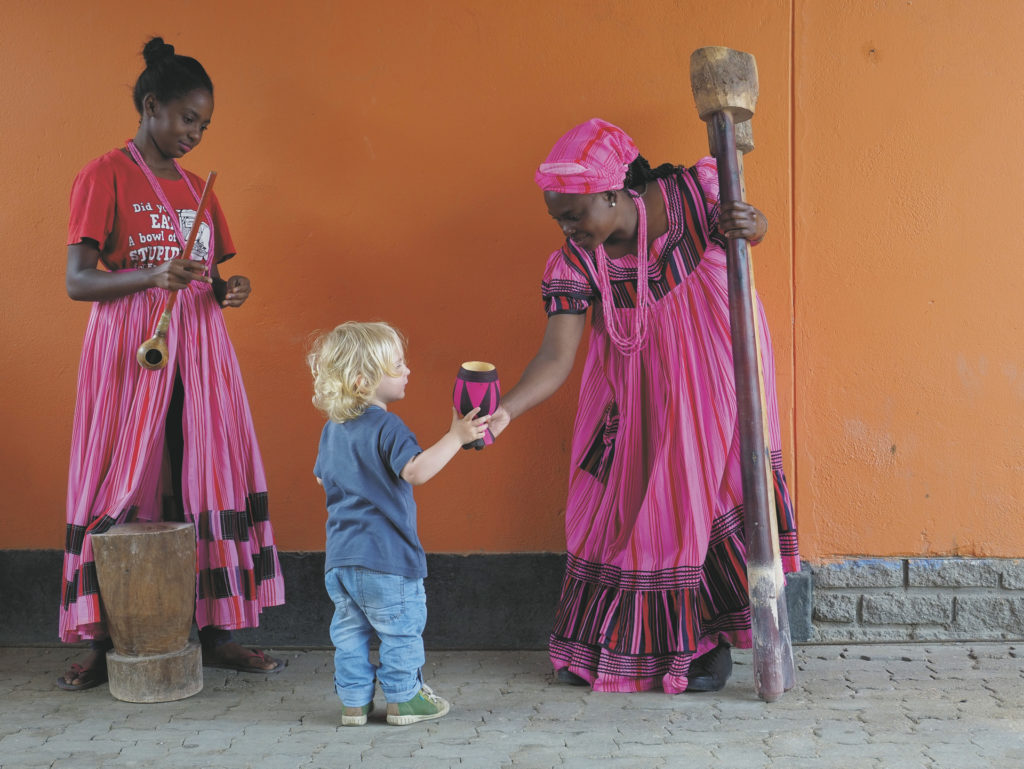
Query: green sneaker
{"x": 424, "y": 706}
{"x": 356, "y": 716}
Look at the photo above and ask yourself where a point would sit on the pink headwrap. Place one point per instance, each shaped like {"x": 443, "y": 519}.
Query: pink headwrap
{"x": 592, "y": 157}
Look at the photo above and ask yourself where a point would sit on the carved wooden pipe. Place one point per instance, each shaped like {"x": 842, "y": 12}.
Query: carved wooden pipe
{"x": 152, "y": 354}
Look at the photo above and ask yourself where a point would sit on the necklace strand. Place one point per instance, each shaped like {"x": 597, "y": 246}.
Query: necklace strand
{"x": 628, "y": 344}
{"x": 171, "y": 211}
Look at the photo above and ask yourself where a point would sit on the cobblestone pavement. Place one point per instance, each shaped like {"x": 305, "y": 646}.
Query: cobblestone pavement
{"x": 879, "y": 706}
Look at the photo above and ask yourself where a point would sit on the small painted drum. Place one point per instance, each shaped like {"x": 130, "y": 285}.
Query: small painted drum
{"x": 147, "y": 579}
{"x": 477, "y": 385}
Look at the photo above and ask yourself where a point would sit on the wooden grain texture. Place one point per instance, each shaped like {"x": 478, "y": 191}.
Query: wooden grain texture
{"x": 147, "y": 579}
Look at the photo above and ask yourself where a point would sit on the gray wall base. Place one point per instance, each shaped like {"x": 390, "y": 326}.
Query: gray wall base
{"x": 918, "y": 599}
{"x": 481, "y": 601}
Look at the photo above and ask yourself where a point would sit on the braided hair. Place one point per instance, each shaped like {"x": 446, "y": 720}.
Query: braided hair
{"x": 640, "y": 173}
{"x": 168, "y": 76}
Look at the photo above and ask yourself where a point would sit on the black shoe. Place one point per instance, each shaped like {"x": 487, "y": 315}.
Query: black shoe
{"x": 709, "y": 672}
{"x": 566, "y": 676}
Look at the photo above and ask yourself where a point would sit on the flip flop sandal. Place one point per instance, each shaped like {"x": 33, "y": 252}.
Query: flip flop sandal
{"x": 248, "y": 664}
{"x": 88, "y": 677}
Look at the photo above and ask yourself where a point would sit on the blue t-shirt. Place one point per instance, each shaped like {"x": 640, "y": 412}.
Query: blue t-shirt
{"x": 371, "y": 515}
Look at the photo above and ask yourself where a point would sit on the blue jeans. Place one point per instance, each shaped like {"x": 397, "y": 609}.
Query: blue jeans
{"x": 393, "y": 607}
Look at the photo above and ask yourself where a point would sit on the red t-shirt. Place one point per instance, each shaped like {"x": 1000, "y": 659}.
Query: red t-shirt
{"x": 113, "y": 203}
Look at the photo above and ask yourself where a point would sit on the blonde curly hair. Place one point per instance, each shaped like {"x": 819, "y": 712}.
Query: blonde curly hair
{"x": 348, "y": 363}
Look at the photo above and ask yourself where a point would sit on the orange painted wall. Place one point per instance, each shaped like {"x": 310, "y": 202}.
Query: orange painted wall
{"x": 908, "y": 181}
{"x": 376, "y": 163}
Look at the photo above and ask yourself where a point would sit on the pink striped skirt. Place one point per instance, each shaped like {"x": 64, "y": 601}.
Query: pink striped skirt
{"x": 117, "y": 469}
{"x": 656, "y": 570}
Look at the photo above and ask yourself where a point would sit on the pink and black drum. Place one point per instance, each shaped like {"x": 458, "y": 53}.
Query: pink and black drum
{"x": 477, "y": 385}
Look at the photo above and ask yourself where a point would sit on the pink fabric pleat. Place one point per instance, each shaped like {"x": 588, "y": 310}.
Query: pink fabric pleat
{"x": 117, "y": 454}
{"x": 685, "y": 392}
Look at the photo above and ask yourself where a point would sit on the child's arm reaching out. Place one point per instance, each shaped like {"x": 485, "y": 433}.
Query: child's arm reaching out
{"x": 428, "y": 463}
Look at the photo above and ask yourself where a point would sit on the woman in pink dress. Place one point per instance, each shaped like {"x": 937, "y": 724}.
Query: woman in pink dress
{"x": 189, "y": 423}
{"x": 655, "y": 590}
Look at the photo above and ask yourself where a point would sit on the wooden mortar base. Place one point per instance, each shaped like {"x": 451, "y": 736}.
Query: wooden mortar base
{"x": 156, "y": 677}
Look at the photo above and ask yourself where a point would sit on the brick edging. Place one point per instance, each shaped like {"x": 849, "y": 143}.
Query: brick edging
{"x": 918, "y": 599}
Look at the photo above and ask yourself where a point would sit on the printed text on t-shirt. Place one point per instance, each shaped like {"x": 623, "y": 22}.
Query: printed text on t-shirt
{"x": 159, "y": 244}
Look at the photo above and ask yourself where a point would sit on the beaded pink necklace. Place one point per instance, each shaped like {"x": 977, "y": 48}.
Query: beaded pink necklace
{"x": 171, "y": 211}
{"x": 628, "y": 344}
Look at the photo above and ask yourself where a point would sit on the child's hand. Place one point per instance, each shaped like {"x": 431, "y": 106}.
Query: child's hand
{"x": 425, "y": 465}
{"x": 468, "y": 428}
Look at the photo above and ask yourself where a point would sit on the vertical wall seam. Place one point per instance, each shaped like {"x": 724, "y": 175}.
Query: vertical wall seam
{"x": 792, "y": 246}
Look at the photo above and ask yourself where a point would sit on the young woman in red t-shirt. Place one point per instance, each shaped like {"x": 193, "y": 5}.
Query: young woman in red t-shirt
{"x": 175, "y": 443}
